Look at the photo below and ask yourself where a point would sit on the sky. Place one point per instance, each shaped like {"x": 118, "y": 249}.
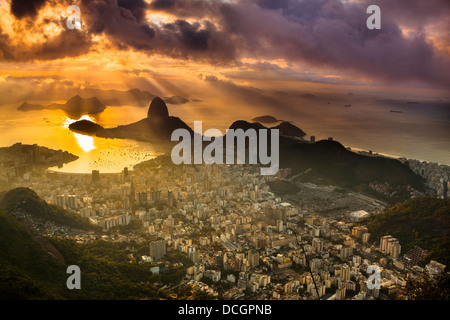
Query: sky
{"x": 261, "y": 56}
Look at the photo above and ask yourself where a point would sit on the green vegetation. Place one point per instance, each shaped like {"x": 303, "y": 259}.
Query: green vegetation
{"x": 428, "y": 288}
{"x": 27, "y": 200}
{"x": 107, "y": 272}
{"x": 423, "y": 222}
{"x": 329, "y": 163}
{"x": 30, "y": 267}
{"x": 34, "y": 267}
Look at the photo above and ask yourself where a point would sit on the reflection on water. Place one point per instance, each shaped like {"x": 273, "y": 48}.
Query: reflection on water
{"x": 68, "y": 121}
{"x": 85, "y": 142}
{"x": 50, "y": 128}
{"x": 418, "y": 135}
{"x": 105, "y": 155}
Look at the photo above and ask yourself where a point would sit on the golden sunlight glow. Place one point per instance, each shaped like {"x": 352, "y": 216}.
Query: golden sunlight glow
{"x": 85, "y": 142}
{"x": 68, "y": 121}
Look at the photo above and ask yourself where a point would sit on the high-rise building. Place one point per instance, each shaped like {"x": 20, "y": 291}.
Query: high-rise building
{"x": 317, "y": 245}
{"x": 155, "y": 196}
{"x": 72, "y": 201}
{"x": 253, "y": 258}
{"x": 157, "y": 249}
{"x": 390, "y": 243}
{"x": 60, "y": 201}
{"x": 170, "y": 199}
{"x": 279, "y": 225}
{"x": 395, "y": 250}
{"x": 384, "y": 242}
{"x": 345, "y": 273}
{"x": 95, "y": 176}
{"x": 346, "y": 252}
{"x": 359, "y": 231}
{"x": 365, "y": 237}
{"x": 142, "y": 197}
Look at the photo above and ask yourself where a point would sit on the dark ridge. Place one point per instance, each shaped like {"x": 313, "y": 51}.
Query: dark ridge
{"x": 290, "y": 130}
{"x": 26, "y": 200}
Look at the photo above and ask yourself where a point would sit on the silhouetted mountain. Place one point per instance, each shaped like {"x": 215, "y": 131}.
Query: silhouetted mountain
{"x": 266, "y": 119}
{"x": 244, "y": 125}
{"x": 158, "y": 126}
{"x": 290, "y": 130}
{"x": 176, "y": 100}
{"x": 75, "y": 106}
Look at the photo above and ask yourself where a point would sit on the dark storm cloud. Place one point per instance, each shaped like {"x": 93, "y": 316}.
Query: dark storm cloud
{"x": 415, "y": 13}
{"x": 326, "y": 34}
{"x": 136, "y": 7}
{"x": 330, "y": 34}
{"x": 179, "y": 39}
{"x": 186, "y": 8}
{"x": 26, "y": 8}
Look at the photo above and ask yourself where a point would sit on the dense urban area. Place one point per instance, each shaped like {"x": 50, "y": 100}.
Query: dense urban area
{"x": 243, "y": 241}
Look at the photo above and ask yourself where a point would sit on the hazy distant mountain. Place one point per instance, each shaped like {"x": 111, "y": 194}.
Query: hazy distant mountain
{"x": 176, "y": 100}
{"x": 29, "y": 107}
{"x": 266, "y": 119}
{"x": 79, "y": 106}
{"x": 308, "y": 96}
{"x": 75, "y": 106}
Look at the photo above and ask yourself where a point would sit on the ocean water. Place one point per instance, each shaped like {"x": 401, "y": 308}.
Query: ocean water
{"x": 418, "y": 132}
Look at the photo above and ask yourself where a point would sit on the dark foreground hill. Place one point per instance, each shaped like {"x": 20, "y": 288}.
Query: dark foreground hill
{"x": 30, "y": 266}
{"x": 26, "y": 200}
{"x": 34, "y": 267}
{"x": 423, "y": 222}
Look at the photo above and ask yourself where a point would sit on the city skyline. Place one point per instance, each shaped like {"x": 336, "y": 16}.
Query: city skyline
{"x": 113, "y": 187}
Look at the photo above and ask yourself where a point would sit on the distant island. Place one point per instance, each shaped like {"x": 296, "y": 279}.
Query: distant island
{"x": 75, "y": 106}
